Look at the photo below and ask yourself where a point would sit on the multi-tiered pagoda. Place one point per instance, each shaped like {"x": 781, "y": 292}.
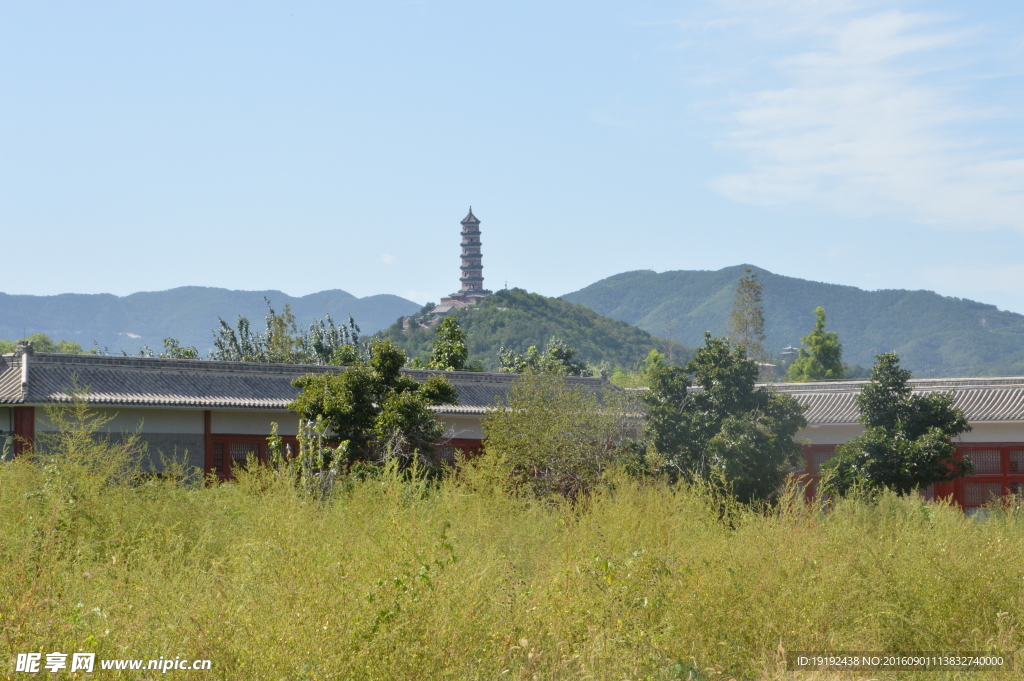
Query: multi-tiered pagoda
{"x": 472, "y": 278}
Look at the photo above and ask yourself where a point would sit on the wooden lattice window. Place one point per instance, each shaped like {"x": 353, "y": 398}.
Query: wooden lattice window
{"x": 231, "y": 452}
{"x": 1017, "y": 461}
{"x": 985, "y": 460}
{"x": 819, "y": 458}
{"x": 218, "y": 459}
{"x": 981, "y": 493}
{"x": 241, "y": 451}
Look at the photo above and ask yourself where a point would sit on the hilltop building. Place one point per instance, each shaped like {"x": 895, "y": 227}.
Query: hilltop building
{"x": 471, "y": 290}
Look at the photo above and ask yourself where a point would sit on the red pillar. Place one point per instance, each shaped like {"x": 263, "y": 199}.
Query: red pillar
{"x": 24, "y": 429}
{"x": 207, "y": 442}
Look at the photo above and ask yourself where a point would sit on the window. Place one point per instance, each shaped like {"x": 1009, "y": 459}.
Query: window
{"x": 980, "y": 493}
{"x": 1017, "y": 461}
{"x": 985, "y": 460}
{"x": 231, "y": 452}
{"x": 819, "y": 458}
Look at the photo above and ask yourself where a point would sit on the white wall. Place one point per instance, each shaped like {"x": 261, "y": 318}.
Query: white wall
{"x": 254, "y": 422}
{"x": 995, "y": 432}
{"x": 829, "y": 434}
{"x": 462, "y": 426}
{"x": 130, "y": 420}
{"x": 981, "y": 432}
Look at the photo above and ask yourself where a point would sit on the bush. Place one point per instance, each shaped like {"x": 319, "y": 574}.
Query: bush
{"x": 554, "y": 437}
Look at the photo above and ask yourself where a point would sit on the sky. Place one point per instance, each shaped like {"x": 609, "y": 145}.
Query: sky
{"x": 336, "y": 145}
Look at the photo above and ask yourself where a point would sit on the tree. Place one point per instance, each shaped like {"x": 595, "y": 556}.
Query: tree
{"x": 283, "y": 342}
{"x": 724, "y": 424}
{"x": 557, "y": 359}
{"x": 641, "y": 378}
{"x": 172, "y": 350}
{"x": 822, "y": 357}
{"x": 373, "y": 410}
{"x": 907, "y": 443}
{"x": 746, "y": 320}
{"x": 41, "y": 342}
{"x": 448, "y": 351}
{"x": 553, "y": 437}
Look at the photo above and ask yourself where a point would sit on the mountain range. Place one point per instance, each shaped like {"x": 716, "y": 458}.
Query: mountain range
{"x": 934, "y": 335}
{"x": 188, "y": 313}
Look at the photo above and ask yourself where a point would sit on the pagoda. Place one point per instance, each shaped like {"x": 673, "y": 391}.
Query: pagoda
{"x": 472, "y": 279}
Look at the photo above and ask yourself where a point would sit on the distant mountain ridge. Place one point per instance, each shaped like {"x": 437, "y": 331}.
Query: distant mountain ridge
{"x": 934, "y": 335}
{"x": 188, "y": 313}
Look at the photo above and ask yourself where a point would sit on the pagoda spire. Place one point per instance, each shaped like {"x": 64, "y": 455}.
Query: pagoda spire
{"x": 471, "y": 277}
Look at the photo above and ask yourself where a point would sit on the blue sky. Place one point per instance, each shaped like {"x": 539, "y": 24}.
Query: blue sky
{"x": 308, "y": 146}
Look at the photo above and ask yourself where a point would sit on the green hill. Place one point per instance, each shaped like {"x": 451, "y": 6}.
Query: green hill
{"x": 934, "y": 335}
{"x": 516, "y": 319}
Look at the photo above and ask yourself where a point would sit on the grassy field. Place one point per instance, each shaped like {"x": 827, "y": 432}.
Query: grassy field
{"x": 399, "y": 579}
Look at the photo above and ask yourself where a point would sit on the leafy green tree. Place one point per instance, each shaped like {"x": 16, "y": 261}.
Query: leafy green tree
{"x": 373, "y": 410}
{"x": 172, "y": 350}
{"x": 907, "y": 443}
{"x": 556, "y": 438}
{"x": 41, "y": 342}
{"x": 746, "y": 319}
{"x": 644, "y": 374}
{"x": 723, "y": 425}
{"x": 557, "y": 358}
{"x": 821, "y": 358}
{"x": 283, "y": 342}
{"x": 448, "y": 351}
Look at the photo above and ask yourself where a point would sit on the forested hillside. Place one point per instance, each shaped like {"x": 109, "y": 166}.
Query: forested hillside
{"x": 516, "y": 320}
{"x": 188, "y": 313}
{"x": 934, "y": 335}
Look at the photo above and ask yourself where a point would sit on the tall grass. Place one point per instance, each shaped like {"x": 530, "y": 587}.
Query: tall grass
{"x": 395, "y": 578}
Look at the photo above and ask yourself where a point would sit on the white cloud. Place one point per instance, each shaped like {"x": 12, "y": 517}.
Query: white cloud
{"x": 388, "y": 259}
{"x": 871, "y": 116}
{"x": 421, "y": 297}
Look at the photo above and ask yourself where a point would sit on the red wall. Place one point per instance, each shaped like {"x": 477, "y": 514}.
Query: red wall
{"x": 999, "y": 469}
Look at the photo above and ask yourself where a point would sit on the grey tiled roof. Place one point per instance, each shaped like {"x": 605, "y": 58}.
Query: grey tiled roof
{"x": 135, "y": 381}
{"x": 982, "y": 399}
{"x": 128, "y": 381}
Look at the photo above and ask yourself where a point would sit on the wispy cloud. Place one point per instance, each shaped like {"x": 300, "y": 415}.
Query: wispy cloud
{"x": 871, "y": 110}
{"x": 388, "y": 259}
{"x": 422, "y": 297}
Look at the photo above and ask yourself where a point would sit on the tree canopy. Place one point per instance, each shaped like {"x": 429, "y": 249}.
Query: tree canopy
{"x": 821, "y": 358}
{"x": 448, "y": 351}
{"x": 372, "y": 409}
{"x": 42, "y": 342}
{"x": 907, "y": 442}
{"x": 746, "y": 319}
{"x": 723, "y": 424}
{"x": 282, "y": 342}
{"x": 557, "y": 358}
